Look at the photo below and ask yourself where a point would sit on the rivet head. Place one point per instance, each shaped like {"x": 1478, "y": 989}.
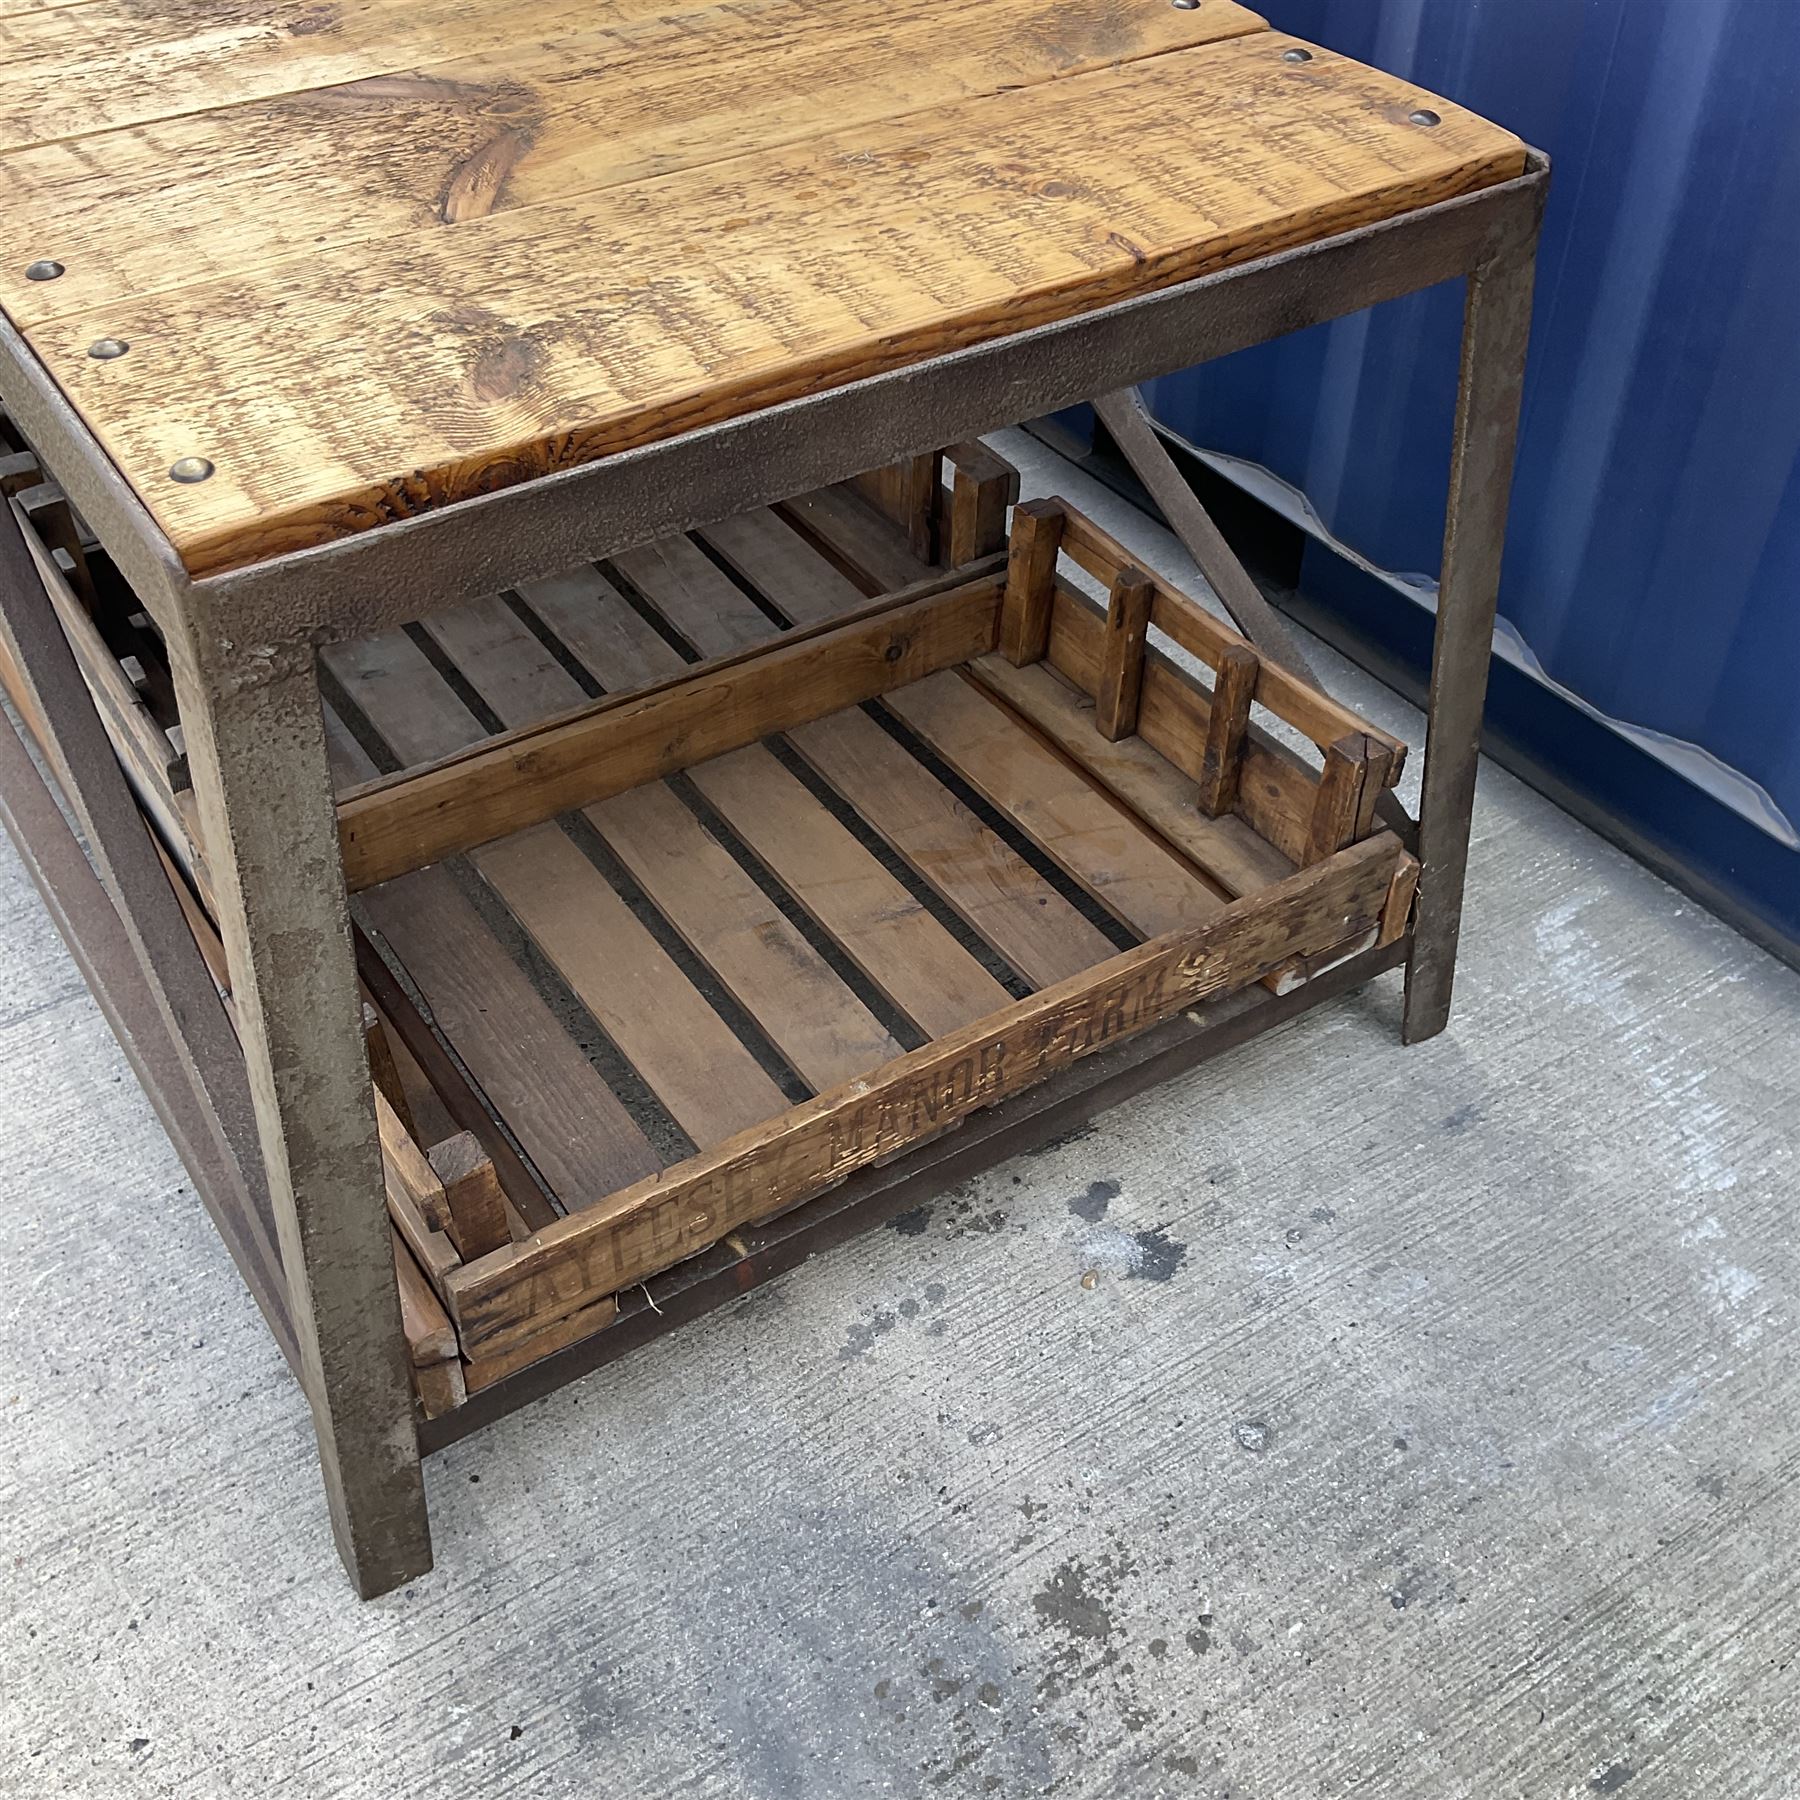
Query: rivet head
{"x": 1424, "y": 116}
{"x": 1185, "y": 5}
{"x": 44, "y": 270}
{"x": 1296, "y": 55}
{"x": 107, "y": 349}
{"x": 190, "y": 469}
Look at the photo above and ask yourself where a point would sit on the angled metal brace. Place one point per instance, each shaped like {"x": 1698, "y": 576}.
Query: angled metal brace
{"x": 1124, "y": 414}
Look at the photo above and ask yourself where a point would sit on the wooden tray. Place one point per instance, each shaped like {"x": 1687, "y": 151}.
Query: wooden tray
{"x": 690, "y": 885}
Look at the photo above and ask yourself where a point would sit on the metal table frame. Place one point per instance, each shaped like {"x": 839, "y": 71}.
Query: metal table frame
{"x": 279, "y": 1136}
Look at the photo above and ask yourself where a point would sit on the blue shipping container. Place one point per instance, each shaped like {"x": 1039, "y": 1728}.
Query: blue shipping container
{"x": 1654, "y": 560}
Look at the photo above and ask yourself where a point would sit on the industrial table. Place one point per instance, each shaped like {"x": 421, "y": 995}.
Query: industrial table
{"x": 327, "y": 322}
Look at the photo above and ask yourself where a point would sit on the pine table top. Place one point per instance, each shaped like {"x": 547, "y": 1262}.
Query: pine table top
{"x": 368, "y": 257}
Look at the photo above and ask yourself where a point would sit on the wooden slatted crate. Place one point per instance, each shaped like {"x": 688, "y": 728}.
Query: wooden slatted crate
{"x": 688, "y": 885}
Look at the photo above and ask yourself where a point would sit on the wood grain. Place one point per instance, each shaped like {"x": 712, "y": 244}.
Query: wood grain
{"x": 289, "y": 91}
{"x": 507, "y": 1297}
{"x": 361, "y": 383}
{"x": 483, "y": 1372}
{"x": 82, "y": 69}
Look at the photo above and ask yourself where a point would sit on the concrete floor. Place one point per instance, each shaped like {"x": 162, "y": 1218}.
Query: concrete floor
{"x": 1431, "y": 1431}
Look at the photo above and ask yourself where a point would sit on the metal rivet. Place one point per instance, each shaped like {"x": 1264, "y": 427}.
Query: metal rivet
{"x": 107, "y": 349}
{"x": 1424, "y": 116}
{"x": 1185, "y": 5}
{"x": 190, "y": 469}
{"x": 43, "y": 271}
{"x": 1296, "y": 56}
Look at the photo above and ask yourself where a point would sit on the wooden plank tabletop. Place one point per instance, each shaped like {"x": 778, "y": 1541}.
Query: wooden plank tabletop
{"x": 373, "y": 256}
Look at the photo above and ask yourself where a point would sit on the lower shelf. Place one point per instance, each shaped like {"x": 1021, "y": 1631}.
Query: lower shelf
{"x": 711, "y": 896}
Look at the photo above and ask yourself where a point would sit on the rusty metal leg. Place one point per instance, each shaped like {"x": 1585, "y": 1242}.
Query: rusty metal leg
{"x": 255, "y": 736}
{"x": 1496, "y": 327}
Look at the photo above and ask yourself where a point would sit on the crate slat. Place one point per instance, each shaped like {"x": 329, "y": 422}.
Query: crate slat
{"x": 906, "y": 494}
{"x": 920, "y": 968}
{"x": 875, "y": 921}
{"x": 696, "y": 597}
{"x": 430, "y": 1339}
{"x": 992, "y": 888}
{"x": 510, "y": 1295}
{"x": 485, "y": 1371}
{"x": 842, "y": 527}
{"x": 143, "y": 745}
{"x": 1225, "y": 848}
{"x": 1228, "y": 722}
{"x": 984, "y": 485}
{"x": 711, "y": 1085}
{"x": 977, "y": 874}
{"x": 817, "y": 1023}
{"x": 1069, "y": 817}
{"x": 1122, "y": 654}
{"x": 531, "y": 775}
